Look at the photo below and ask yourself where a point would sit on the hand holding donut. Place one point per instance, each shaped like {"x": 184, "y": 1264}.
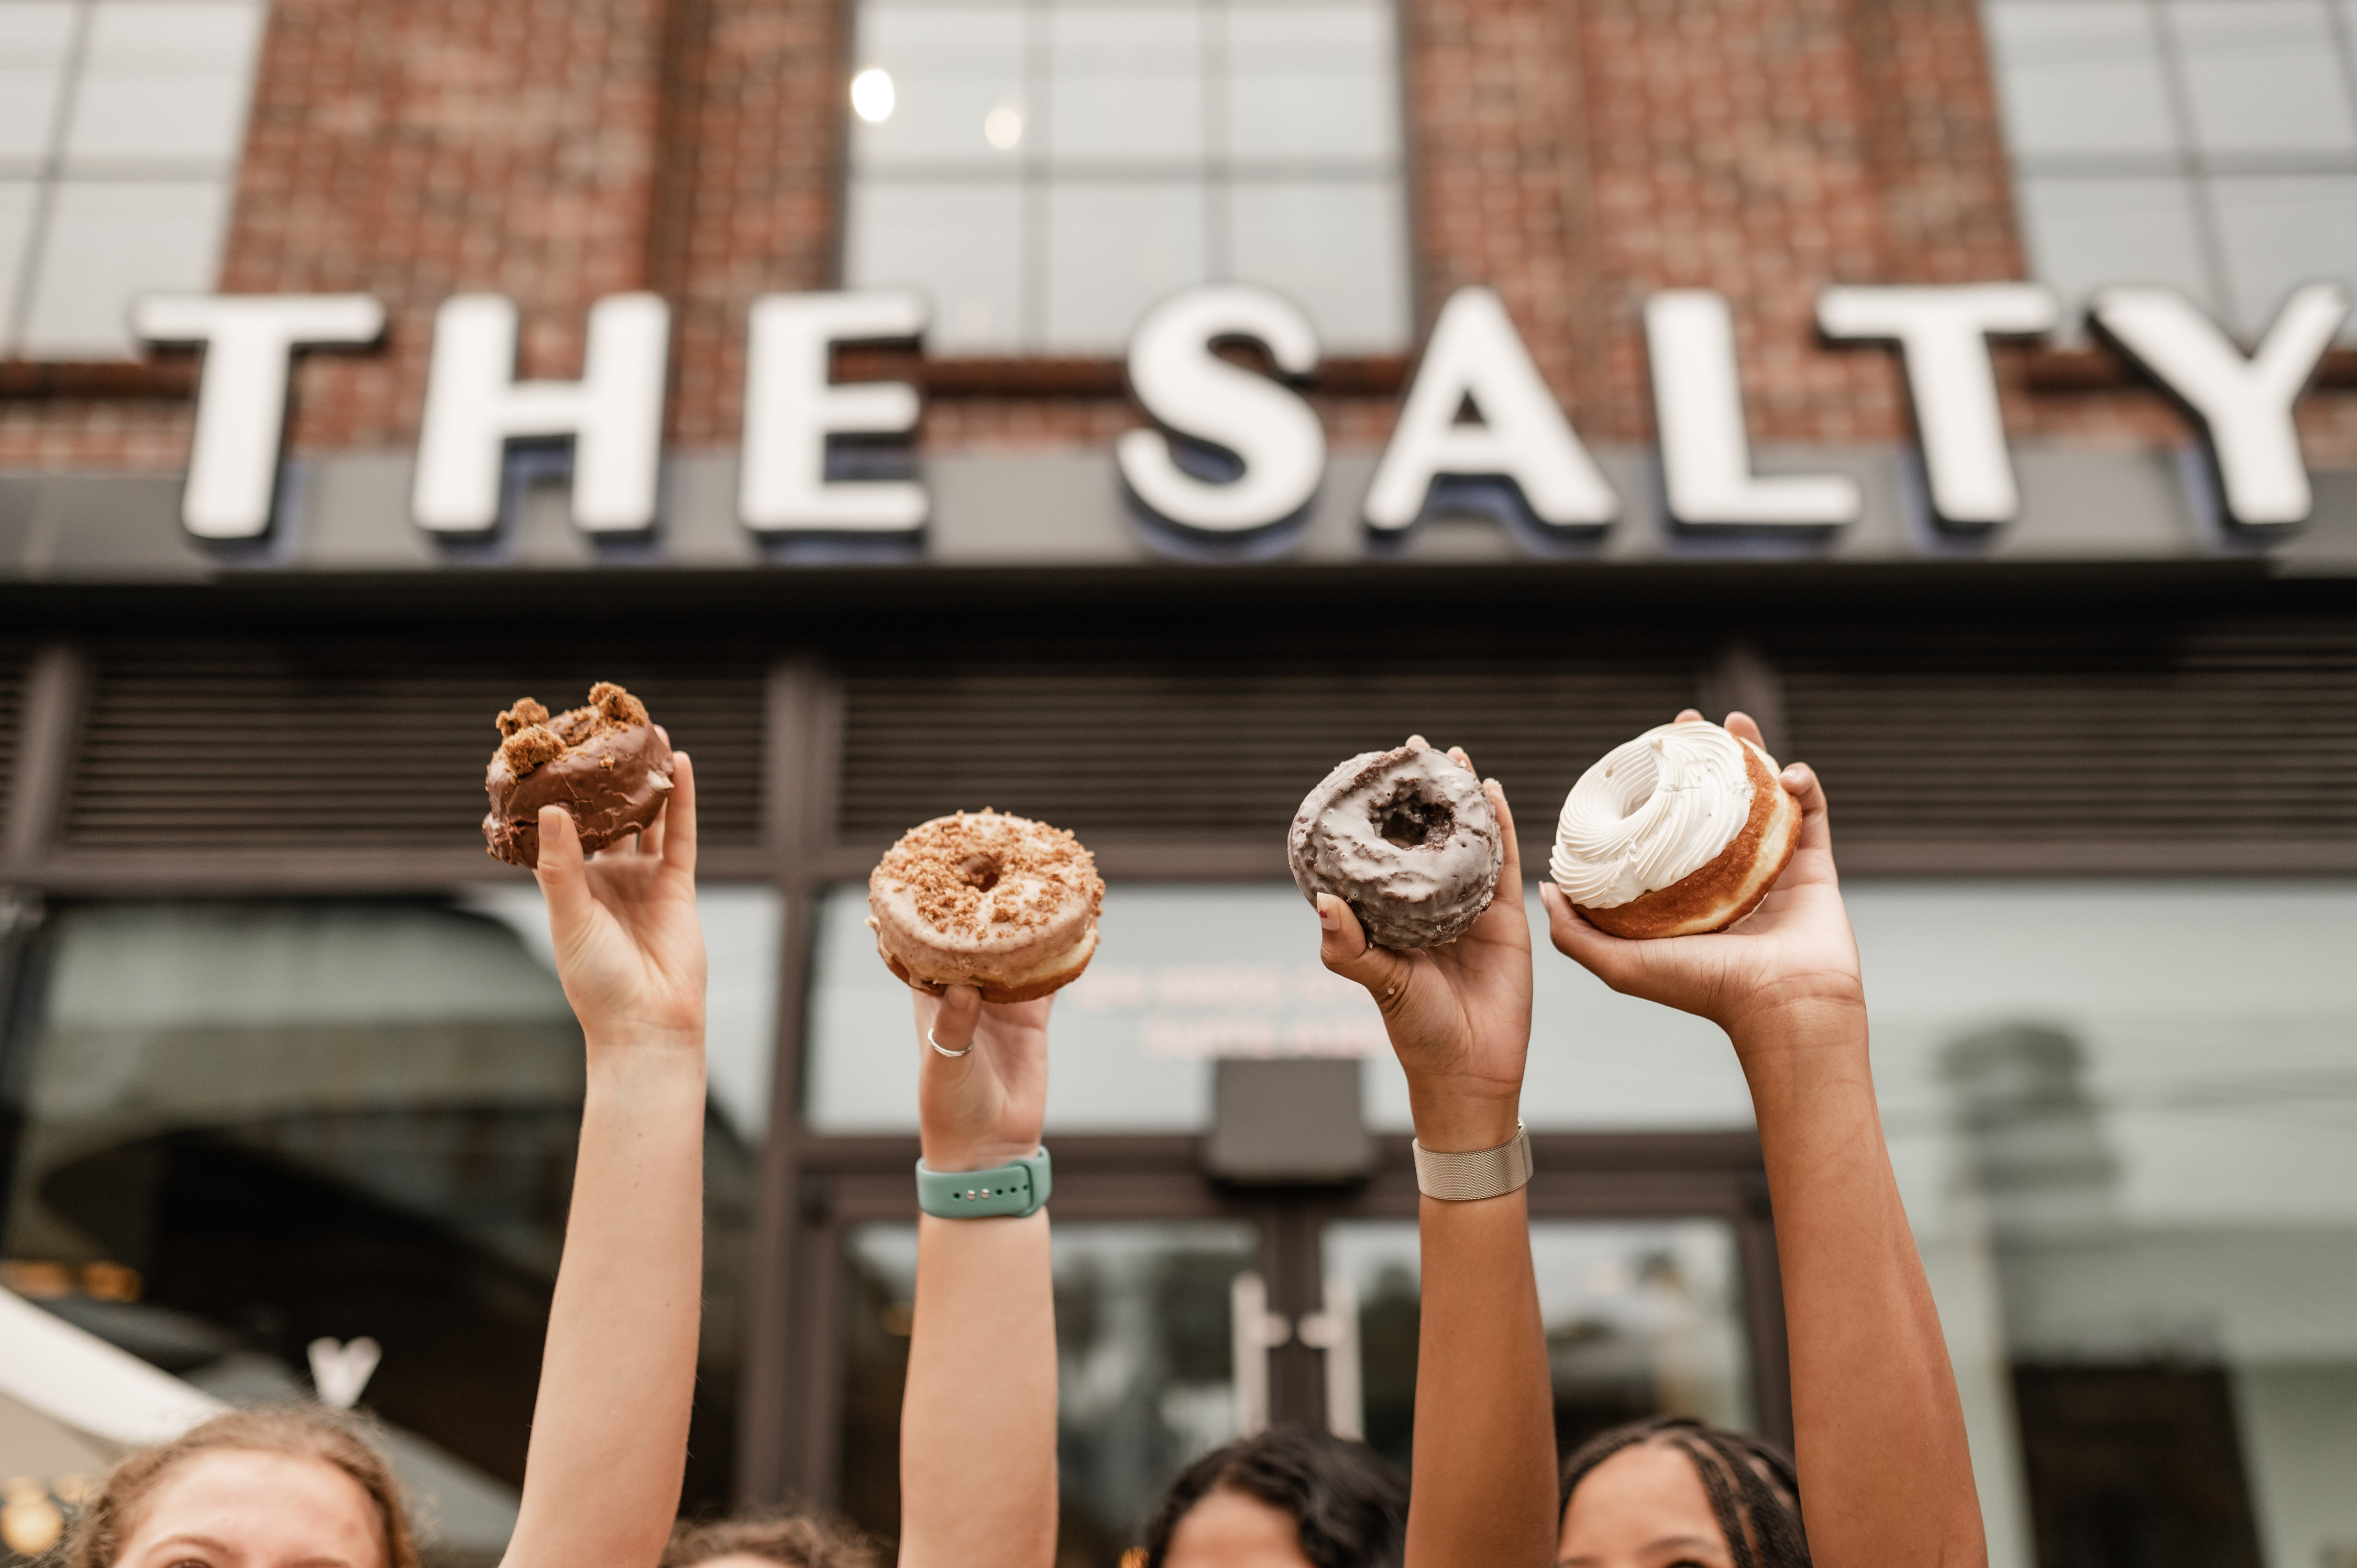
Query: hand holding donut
{"x": 984, "y": 1106}
{"x": 1458, "y": 1014}
{"x": 1794, "y": 953}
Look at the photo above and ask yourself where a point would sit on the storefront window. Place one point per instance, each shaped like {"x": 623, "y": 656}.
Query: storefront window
{"x": 2210, "y": 145}
{"x": 247, "y": 1126}
{"x": 120, "y": 123}
{"x": 1047, "y": 171}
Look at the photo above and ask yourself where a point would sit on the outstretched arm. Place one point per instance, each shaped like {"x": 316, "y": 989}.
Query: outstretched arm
{"x": 609, "y": 1430}
{"x": 978, "y": 1421}
{"x": 1886, "y": 1480}
{"x": 1459, "y": 1019}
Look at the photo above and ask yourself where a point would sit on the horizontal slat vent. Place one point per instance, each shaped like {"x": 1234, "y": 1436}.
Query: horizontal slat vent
{"x": 199, "y": 747}
{"x": 15, "y": 666}
{"x": 2218, "y": 735}
{"x": 1205, "y": 747}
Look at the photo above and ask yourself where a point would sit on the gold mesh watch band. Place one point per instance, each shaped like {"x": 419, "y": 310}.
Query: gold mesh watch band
{"x": 1477, "y": 1173}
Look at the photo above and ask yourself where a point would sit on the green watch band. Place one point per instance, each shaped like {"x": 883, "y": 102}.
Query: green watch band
{"x": 1016, "y": 1187}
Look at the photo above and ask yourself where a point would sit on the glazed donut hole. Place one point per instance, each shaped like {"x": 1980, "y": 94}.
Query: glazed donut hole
{"x": 980, "y": 870}
{"x": 1410, "y": 817}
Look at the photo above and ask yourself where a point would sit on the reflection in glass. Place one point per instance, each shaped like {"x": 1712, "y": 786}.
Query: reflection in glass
{"x": 2080, "y": 76}
{"x": 1643, "y": 1317}
{"x": 2263, "y": 76}
{"x": 948, "y": 67}
{"x": 1144, "y": 1384}
{"x": 250, "y": 1125}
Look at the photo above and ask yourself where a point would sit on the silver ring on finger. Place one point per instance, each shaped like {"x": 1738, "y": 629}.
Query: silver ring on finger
{"x": 945, "y": 1050}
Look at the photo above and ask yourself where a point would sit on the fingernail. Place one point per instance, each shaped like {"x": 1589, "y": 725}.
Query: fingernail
{"x": 1326, "y": 912}
{"x": 1795, "y": 774}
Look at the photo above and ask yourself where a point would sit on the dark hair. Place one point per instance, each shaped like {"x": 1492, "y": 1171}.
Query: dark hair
{"x": 302, "y": 1431}
{"x": 1350, "y": 1506}
{"x": 795, "y": 1540}
{"x": 1754, "y": 1491}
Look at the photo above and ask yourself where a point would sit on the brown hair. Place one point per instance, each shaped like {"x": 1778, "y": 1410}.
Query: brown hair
{"x": 302, "y": 1432}
{"x": 795, "y": 1540}
{"x": 1754, "y": 1490}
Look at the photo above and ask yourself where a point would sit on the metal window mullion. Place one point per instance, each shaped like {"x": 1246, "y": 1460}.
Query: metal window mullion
{"x": 52, "y": 170}
{"x": 1032, "y": 194}
{"x": 2196, "y": 176}
{"x": 1219, "y": 248}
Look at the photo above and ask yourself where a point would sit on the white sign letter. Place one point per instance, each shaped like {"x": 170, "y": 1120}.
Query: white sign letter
{"x": 2244, "y": 404}
{"x": 1474, "y": 352}
{"x": 1194, "y": 394}
{"x": 242, "y": 394}
{"x": 1705, "y": 453}
{"x": 1942, "y": 335}
{"x": 791, "y": 409}
{"x": 474, "y": 406}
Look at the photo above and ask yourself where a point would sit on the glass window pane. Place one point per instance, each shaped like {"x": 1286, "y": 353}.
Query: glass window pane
{"x": 1114, "y": 251}
{"x": 1643, "y": 1318}
{"x": 2080, "y": 76}
{"x": 2263, "y": 76}
{"x": 33, "y": 43}
{"x": 165, "y": 82}
{"x": 1145, "y": 1381}
{"x": 2130, "y": 1157}
{"x": 2084, "y": 233}
{"x": 1127, "y": 83}
{"x": 950, "y": 68}
{"x": 1311, "y": 81}
{"x": 2281, "y": 232}
{"x": 1333, "y": 248}
{"x": 108, "y": 241}
{"x": 16, "y": 198}
{"x": 962, "y": 244}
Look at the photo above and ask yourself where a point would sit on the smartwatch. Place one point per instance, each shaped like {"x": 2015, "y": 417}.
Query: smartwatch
{"x": 1018, "y": 1188}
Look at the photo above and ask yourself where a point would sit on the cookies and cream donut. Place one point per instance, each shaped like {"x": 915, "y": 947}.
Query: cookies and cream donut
{"x": 1683, "y": 830}
{"x": 1406, "y": 838}
{"x": 1001, "y": 903}
{"x": 605, "y": 763}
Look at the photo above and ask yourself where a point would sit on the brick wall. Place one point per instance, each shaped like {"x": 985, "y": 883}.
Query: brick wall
{"x": 1576, "y": 155}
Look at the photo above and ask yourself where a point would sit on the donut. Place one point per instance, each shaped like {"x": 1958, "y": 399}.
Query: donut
{"x": 605, "y": 763}
{"x": 1406, "y": 838}
{"x": 1683, "y": 830}
{"x": 1001, "y": 903}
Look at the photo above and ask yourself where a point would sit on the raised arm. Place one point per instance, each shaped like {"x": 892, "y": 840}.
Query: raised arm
{"x": 978, "y": 1421}
{"x": 609, "y": 1430}
{"x": 1886, "y": 1480}
{"x": 1482, "y": 1493}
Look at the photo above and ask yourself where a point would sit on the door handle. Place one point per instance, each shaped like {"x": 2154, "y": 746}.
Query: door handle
{"x": 1333, "y": 1330}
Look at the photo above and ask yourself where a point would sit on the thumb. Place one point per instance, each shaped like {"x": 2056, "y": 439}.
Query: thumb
{"x": 1343, "y": 946}
{"x": 563, "y": 876}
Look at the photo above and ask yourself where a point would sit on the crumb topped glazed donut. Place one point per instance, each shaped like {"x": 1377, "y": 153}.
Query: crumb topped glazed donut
{"x": 606, "y": 763}
{"x": 1406, "y": 838}
{"x": 1683, "y": 830}
{"x": 1001, "y": 903}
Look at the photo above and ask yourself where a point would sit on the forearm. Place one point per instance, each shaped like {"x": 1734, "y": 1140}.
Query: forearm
{"x": 978, "y": 1422}
{"x": 609, "y": 1431}
{"x": 1483, "y": 1489}
{"x": 1886, "y": 1477}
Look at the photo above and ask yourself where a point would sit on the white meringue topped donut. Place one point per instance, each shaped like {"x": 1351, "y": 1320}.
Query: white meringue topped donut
{"x": 1681, "y": 831}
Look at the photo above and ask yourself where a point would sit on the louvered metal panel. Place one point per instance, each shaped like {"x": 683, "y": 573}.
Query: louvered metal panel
{"x": 2216, "y": 735}
{"x": 15, "y": 665}
{"x": 197, "y": 747}
{"x": 1173, "y": 749}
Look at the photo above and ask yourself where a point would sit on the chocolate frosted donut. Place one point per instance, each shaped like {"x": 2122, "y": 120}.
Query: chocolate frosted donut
{"x": 1001, "y": 903}
{"x": 1406, "y": 838}
{"x": 606, "y": 764}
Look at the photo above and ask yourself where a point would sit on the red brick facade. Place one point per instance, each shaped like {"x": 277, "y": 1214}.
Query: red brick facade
{"x": 1576, "y": 155}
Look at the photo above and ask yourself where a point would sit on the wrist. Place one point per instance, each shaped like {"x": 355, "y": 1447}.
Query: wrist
{"x": 944, "y": 1152}
{"x": 1459, "y": 1122}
